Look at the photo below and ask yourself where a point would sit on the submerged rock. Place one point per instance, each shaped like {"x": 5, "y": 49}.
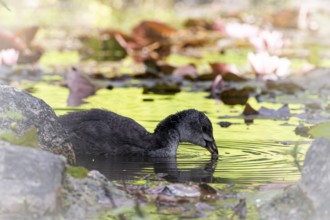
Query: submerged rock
{"x": 309, "y": 198}
{"x": 29, "y": 121}
{"x": 34, "y": 185}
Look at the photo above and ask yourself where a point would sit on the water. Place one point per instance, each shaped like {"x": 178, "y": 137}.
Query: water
{"x": 258, "y": 153}
{"x": 251, "y": 155}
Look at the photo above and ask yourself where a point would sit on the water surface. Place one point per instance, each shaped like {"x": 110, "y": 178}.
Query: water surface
{"x": 258, "y": 153}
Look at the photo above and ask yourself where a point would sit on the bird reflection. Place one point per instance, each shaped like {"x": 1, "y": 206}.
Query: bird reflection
{"x": 134, "y": 168}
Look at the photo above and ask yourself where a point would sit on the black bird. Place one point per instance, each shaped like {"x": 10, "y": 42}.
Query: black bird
{"x": 99, "y": 132}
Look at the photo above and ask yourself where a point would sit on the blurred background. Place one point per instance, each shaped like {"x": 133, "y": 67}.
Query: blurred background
{"x": 62, "y": 24}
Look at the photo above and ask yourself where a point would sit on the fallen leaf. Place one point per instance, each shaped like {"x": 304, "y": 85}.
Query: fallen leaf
{"x": 22, "y": 43}
{"x": 27, "y": 34}
{"x": 9, "y": 40}
{"x": 148, "y": 32}
{"x": 80, "y": 87}
{"x": 188, "y": 71}
{"x": 224, "y": 124}
{"x": 235, "y": 96}
{"x": 233, "y": 77}
{"x": 248, "y": 110}
{"x": 283, "y": 112}
{"x": 303, "y": 131}
{"x": 208, "y": 193}
{"x": 228, "y": 72}
{"x": 163, "y": 87}
{"x": 103, "y": 47}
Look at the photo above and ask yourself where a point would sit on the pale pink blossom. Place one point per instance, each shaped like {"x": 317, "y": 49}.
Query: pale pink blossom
{"x": 241, "y": 31}
{"x": 267, "y": 66}
{"x": 271, "y": 41}
{"x": 9, "y": 57}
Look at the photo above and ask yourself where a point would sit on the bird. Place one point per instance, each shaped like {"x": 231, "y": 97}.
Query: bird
{"x": 101, "y": 132}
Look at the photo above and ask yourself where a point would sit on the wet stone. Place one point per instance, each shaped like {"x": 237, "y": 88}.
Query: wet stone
{"x": 29, "y": 121}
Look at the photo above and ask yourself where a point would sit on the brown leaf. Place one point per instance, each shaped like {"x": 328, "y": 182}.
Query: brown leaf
{"x": 235, "y": 96}
{"x": 9, "y": 40}
{"x": 248, "y": 110}
{"x": 80, "y": 87}
{"x": 148, "y": 32}
{"x": 206, "y": 77}
{"x": 187, "y": 71}
{"x": 163, "y": 87}
{"x": 27, "y": 34}
{"x": 208, "y": 193}
{"x": 219, "y": 68}
{"x": 233, "y": 77}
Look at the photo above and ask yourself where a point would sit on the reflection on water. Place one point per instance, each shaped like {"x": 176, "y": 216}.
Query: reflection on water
{"x": 135, "y": 168}
{"x": 259, "y": 153}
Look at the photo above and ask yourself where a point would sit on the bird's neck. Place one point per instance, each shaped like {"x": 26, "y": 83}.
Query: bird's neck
{"x": 165, "y": 145}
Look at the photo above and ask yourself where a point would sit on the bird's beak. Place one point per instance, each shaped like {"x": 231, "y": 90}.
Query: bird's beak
{"x": 212, "y": 147}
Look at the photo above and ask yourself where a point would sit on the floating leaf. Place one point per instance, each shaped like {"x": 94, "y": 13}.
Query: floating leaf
{"x": 248, "y": 110}
{"x": 283, "y": 112}
{"x": 187, "y": 71}
{"x": 148, "y": 32}
{"x": 80, "y": 87}
{"x": 235, "y": 96}
{"x": 224, "y": 124}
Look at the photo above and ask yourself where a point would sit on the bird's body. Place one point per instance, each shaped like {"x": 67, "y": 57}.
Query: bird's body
{"x": 97, "y": 132}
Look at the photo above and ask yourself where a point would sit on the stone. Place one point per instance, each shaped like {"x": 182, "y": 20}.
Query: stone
{"x": 30, "y": 183}
{"x": 309, "y": 198}
{"x": 29, "y": 121}
{"x": 315, "y": 179}
{"x": 34, "y": 185}
{"x": 91, "y": 197}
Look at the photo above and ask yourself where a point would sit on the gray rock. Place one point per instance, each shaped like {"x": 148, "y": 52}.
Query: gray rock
{"x": 30, "y": 183}
{"x": 315, "y": 80}
{"x": 309, "y": 199}
{"x": 29, "y": 121}
{"x": 315, "y": 181}
{"x": 91, "y": 197}
{"x": 34, "y": 185}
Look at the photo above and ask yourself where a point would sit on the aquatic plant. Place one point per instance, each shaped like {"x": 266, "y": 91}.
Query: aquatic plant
{"x": 266, "y": 66}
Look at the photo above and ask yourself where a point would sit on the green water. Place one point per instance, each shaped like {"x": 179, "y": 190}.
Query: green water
{"x": 250, "y": 155}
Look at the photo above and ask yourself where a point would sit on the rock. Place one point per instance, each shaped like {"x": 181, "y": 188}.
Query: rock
{"x": 315, "y": 80}
{"x": 34, "y": 185}
{"x": 315, "y": 179}
{"x": 309, "y": 198}
{"x": 30, "y": 183}
{"x": 90, "y": 197}
{"x": 29, "y": 121}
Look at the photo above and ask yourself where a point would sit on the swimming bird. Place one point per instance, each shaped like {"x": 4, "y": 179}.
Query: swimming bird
{"x": 102, "y": 132}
